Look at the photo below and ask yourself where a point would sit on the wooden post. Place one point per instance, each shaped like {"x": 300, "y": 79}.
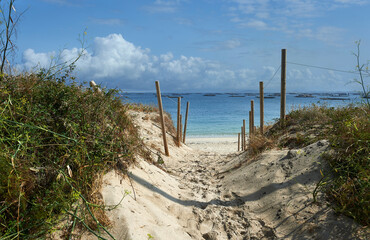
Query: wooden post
{"x": 162, "y": 118}
{"x": 180, "y": 127}
{"x": 244, "y": 136}
{"x": 238, "y": 142}
{"x": 186, "y": 120}
{"x": 283, "y": 86}
{"x": 261, "y": 108}
{"x": 178, "y": 137}
{"x": 241, "y": 138}
{"x": 252, "y": 116}
{"x": 250, "y": 123}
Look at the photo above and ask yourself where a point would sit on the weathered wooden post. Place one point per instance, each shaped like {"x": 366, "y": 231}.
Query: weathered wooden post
{"x": 244, "y": 136}
{"x": 180, "y": 127}
{"x": 238, "y": 142}
{"x": 252, "y": 116}
{"x": 283, "y": 86}
{"x": 162, "y": 118}
{"x": 186, "y": 120}
{"x": 250, "y": 125}
{"x": 262, "y": 99}
{"x": 178, "y": 137}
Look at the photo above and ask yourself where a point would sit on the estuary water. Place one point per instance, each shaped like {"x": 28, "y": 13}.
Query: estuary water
{"x": 222, "y": 114}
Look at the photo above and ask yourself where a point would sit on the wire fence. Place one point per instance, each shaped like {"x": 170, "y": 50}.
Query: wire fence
{"x": 309, "y": 66}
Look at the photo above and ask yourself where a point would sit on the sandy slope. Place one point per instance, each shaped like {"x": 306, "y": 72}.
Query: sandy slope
{"x": 214, "y": 195}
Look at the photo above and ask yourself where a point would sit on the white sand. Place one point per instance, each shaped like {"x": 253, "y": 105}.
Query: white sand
{"x": 206, "y": 194}
{"x": 222, "y": 145}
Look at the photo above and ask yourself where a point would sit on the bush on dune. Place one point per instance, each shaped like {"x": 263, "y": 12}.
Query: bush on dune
{"x": 56, "y": 138}
{"x": 348, "y": 131}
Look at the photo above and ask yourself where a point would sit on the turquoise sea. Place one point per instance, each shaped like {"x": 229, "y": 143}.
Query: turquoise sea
{"x": 222, "y": 114}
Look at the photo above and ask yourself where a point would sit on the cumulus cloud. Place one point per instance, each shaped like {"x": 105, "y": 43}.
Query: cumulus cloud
{"x": 33, "y": 60}
{"x": 116, "y": 62}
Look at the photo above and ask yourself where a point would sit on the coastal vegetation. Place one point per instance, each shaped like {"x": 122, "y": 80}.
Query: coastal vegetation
{"x": 57, "y": 138}
{"x": 348, "y": 131}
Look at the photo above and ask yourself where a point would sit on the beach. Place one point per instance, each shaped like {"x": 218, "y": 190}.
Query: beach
{"x": 222, "y": 145}
{"x": 207, "y": 190}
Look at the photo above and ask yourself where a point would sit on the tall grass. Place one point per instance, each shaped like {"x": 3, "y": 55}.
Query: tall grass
{"x": 56, "y": 138}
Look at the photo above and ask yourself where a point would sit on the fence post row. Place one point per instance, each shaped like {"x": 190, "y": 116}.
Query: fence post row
{"x": 283, "y": 86}
{"x": 162, "y": 118}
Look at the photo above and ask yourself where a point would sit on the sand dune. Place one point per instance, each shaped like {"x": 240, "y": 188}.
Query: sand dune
{"x": 206, "y": 190}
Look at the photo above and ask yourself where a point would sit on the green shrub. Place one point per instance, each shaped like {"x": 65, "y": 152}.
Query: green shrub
{"x": 55, "y": 140}
{"x": 348, "y": 130}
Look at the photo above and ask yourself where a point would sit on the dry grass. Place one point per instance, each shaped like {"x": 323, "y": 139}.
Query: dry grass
{"x": 348, "y": 131}
{"x": 258, "y": 143}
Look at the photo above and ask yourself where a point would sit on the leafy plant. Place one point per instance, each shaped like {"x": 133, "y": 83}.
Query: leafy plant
{"x": 56, "y": 138}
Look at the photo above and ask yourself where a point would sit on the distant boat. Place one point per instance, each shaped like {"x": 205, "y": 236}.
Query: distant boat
{"x": 169, "y": 96}
{"x": 209, "y": 95}
{"x": 304, "y": 95}
{"x": 236, "y": 96}
{"x": 175, "y": 97}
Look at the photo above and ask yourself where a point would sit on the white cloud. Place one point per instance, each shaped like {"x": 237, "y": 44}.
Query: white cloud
{"x": 115, "y": 62}
{"x": 359, "y": 2}
{"x": 329, "y": 34}
{"x": 167, "y": 57}
{"x": 233, "y": 43}
{"x": 293, "y": 17}
{"x": 255, "y": 24}
{"x": 32, "y": 59}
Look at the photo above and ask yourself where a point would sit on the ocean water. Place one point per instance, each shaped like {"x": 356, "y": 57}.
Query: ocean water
{"x": 222, "y": 114}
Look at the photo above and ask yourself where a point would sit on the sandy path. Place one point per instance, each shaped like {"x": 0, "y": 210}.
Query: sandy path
{"x": 222, "y": 145}
{"x": 221, "y": 195}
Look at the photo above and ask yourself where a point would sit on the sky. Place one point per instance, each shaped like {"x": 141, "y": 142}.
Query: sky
{"x": 198, "y": 45}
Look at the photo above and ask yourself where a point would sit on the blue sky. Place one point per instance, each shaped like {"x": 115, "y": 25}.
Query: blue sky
{"x": 203, "y": 45}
